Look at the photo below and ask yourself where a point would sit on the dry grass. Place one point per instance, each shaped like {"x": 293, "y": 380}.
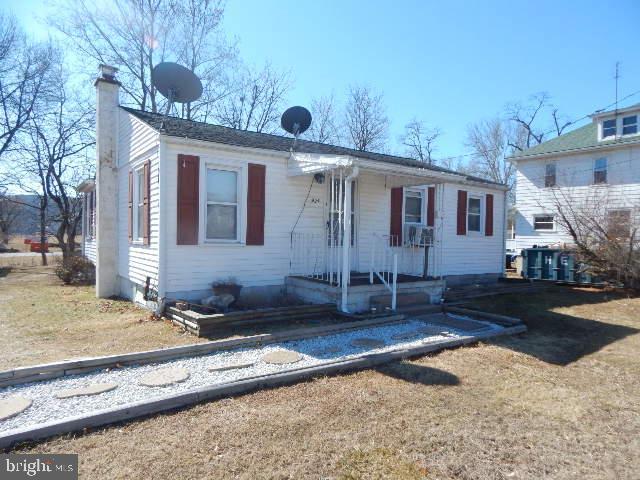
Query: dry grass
{"x": 42, "y": 320}
{"x": 561, "y": 401}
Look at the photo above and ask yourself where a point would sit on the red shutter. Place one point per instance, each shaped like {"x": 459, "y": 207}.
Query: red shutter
{"x": 130, "y": 205}
{"x": 488, "y": 219}
{"x": 146, "y": 199}
{"x": 462, "y": 212}
{"x": 188, "y": 199}
{"x": 431, "y": 206}
{"x": 255, "y": 204}
{"x": 395, "y": 230}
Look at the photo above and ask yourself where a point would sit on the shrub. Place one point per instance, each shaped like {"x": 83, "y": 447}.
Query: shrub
{"x": 76, "y": 270}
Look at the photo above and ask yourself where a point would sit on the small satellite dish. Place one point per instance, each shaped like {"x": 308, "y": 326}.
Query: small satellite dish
{"x": 296, "y": 120}
{"x": 176, "y": 83}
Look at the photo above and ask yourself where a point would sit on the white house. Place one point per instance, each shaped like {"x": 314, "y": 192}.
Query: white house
{"x": 596, "y": 165}
{"x": 178, "y": 204}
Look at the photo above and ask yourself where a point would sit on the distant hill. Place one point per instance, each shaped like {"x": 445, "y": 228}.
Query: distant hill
{"x": 28, "y": 223}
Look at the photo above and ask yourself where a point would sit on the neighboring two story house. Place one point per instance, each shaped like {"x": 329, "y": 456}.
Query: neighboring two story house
{"x": 595, "y": 166}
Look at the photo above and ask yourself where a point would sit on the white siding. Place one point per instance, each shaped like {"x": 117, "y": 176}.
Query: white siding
{"x": 473, "y": 253}
{"x": 90, "y": 249}
{"x": 137, "y": 143}
{"x": 194, "y": 267}
{"x": 574, "y": 175}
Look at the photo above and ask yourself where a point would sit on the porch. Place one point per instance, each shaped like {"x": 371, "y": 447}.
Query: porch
{"x": 373, "y": 232}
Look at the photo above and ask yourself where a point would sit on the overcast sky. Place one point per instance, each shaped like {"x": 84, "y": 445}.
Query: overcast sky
{"x": 447, "y": 63}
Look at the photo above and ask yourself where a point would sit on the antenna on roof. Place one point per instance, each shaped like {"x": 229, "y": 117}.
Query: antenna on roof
{"x": 176, "y": 83}
{"x": 295, "y": 120}
{"x": 617, "y": 77}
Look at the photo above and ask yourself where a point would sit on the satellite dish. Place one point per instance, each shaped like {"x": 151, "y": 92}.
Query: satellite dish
{"x": 176, "y": 83}
{"x": 296, "y": 120}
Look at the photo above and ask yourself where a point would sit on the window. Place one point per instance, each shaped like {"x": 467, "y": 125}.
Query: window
{"x": 333, "y": 225}
{"x": 222, "y": 205}
{"x": 609, "y": 128}
{"x": 474, "y": 214}
{"x": 619, "y": 223}
{"x": 600, "y": 171}
{"x": 630, "y": 125}
{"x": 138, "y": 202}
{"x": 543, "y": 222}
{"x": 550, "y": 175}
{"x": 413, "y": 206}
{"x": 91, "y": 214}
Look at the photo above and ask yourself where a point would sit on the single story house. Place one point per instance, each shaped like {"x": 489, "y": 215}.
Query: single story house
{"x": 179, "y": 204}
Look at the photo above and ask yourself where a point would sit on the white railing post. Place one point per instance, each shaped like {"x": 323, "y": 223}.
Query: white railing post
{"x": 394, "y": 287}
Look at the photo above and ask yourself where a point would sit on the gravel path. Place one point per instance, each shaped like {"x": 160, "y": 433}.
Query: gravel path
{"x": 315, "y": 351}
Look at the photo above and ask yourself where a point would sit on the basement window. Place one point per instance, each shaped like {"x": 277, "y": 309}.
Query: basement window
{"x": 543, "y": 222}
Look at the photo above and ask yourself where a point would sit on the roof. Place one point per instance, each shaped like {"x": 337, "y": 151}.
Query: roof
{"x": 178, "y": 127}
{"x": 584, "y": 137}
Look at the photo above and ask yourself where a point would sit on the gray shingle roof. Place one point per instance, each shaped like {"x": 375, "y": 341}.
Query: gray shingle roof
{"x": 580, "y": 138}
{"x": 178, "y": 127}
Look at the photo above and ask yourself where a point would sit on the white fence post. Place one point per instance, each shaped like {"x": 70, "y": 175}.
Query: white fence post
{"x": 394, "y": 287}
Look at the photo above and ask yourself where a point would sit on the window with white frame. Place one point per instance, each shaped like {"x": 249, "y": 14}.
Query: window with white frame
{"x": 600, "y": 171}
{"x": 609, "y": 128}
{"x": 630, "y": 125}
{"x": 474, "y": 214}
{"x": 414, "y": 207}
{"x": 222, "y": 209}
{"x": 543, "y": 222}
{"x": 550, "y": 175}
{"x": 138, "y": 202}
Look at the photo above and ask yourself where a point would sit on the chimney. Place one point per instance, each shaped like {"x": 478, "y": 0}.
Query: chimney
{"x": 107, "y": 101}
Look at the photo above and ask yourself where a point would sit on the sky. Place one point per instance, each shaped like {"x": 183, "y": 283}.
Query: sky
{"x": 448, "y": 63}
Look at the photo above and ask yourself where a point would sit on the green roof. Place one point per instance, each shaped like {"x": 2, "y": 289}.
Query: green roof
{"x": 578, "y": 139}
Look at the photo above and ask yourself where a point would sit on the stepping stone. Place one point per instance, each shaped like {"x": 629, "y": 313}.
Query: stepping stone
{"x": 281, "y": 357}
{"x": 12, "y": 406}
{"x": 365, "y": 342}
{"x": 406, "y": 335}
{"x": 326, "y": 351}
{"x": 94, "y": 389}
{"x": 236, "y": 366}
{"x": 164, "y": 377}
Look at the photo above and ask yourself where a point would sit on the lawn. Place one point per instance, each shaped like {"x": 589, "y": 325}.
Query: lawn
{"x": 41, "y": 320}
{"x": 561, "y": 401}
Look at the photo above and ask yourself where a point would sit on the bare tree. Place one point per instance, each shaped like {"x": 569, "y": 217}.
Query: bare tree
{"x": 136, "y": 35}
{"x": 61, "y": 135}
{"x": 256, "y": 105}
{"x": 490, "y": 141}
{"x": 9, "y": 214}
{"x": 366, "y": 122}
{"x": 607, "y": 239}
{"x": 23, "y": 70}
{"x": 420, "y": 140}
{"x": 324, "y": 128}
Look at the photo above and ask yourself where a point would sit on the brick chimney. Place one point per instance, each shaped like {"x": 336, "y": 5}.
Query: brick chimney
{"x": 107, "y": 101}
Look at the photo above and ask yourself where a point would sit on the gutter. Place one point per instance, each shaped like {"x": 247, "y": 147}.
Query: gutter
{"x": 609, "y": 146}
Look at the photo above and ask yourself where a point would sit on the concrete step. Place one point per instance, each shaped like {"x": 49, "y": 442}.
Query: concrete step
{"x": 402, "y": 299}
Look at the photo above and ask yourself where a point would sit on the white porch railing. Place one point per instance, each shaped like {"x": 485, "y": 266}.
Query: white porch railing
{"x": 314, "y": 255}
{"x": 384, "y": 265}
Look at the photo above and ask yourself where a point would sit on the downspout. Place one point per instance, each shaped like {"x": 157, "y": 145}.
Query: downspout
{"x": 346, "y": 242}
{"x": 162, "y": 227}
{"x": 504, "y": 234}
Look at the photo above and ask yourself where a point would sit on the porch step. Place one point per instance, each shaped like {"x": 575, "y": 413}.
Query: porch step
{"x": 402, "y": 300}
